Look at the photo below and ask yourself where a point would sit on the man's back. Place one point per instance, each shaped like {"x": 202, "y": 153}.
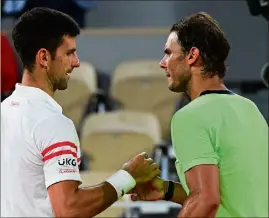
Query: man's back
{"x": 25, "y": 135}
{"x": 22, "y": 173}
{"x": 239, "y": 136}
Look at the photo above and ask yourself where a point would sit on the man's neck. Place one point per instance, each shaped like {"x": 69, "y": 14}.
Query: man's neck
{"x": 36, "y": 80}
{"x": 198, "y": 85}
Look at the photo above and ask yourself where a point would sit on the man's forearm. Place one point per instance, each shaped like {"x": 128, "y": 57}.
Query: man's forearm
{"x": 196, "y": 206}
{"x": 179, "y": 194}
{"x": 90, "y": 201}
{"x": 68, "y": 200}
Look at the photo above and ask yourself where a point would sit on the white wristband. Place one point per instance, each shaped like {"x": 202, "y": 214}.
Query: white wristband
{"x": 122, "y": 181}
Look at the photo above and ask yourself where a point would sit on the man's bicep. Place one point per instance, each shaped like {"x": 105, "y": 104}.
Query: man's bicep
{"x": 192, "y": 143}
{"x": 61, "y": 190}
{"x": 59, "y": 150}
{"x": 60, "y": 195}
{"x": 204, "y": 181}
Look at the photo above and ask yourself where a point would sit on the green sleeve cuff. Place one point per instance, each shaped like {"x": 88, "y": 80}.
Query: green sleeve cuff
{"x": 199, "y": 161}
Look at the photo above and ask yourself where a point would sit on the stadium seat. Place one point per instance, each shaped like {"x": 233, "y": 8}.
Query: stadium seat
{"x": 142, "y": 85}
{"x": 110, "y": 139}
{"x": 81, "y": 86}
{"x": 90, "y": 178}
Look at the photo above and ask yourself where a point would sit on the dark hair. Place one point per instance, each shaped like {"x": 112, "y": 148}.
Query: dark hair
{"x": 200, "y": 30}
{"x": 41, "y": 28}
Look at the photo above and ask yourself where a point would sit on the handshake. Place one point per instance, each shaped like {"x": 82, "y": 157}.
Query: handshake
{"x": 149, "y": 186}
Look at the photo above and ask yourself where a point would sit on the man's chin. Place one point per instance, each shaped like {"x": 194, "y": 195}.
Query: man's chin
{"x": 174, "y": 88}
{"x": 62, "y": 86}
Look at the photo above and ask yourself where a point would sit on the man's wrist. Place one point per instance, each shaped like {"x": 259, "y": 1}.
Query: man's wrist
{"x": 168, "y": 190}
{"x": 165, "y": 187}
{"x": 122, "y": 181}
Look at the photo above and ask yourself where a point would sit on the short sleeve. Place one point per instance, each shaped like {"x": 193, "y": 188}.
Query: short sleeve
{"x": 57, "y": 141}
{"x": 191, "y": 142}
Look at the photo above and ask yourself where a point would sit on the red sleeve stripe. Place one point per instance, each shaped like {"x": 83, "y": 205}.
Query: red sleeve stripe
{"x": 57, "y": 145}
{"x": 78, "y": 160}
{"x": 59, "y": 153}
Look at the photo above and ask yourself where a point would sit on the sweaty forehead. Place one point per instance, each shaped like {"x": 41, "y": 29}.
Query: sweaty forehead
{"x": 171, "y": 40}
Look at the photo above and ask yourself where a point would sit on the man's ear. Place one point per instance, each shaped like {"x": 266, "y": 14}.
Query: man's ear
{"x": 265, "y": 74}
{"x": 193, "y": 55}
{"x": 43, "y": 57}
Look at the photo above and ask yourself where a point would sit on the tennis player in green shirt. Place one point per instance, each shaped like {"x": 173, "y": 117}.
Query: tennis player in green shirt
{"x": 220, "y": 138}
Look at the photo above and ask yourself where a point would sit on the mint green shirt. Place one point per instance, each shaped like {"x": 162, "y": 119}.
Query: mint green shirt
{"x": 229, "y": 131}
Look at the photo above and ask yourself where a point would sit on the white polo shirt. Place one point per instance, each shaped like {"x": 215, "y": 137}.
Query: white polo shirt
{"x": 39, "y": 147}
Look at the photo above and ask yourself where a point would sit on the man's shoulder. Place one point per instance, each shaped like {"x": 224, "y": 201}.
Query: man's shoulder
{"x": 55, "y": 121}
{"x": 195, "y": 111}
{"x": 39, "y": 113}
{"x": 54, "y": 127}
{"x": 188, "y": 110}
{"x": 210, "y": 103}
{"x": 182, "y": 115}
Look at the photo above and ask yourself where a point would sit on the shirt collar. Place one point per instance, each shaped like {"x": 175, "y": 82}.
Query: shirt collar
{"x": 33, "y": 92}
{"x": 227, "y": 92}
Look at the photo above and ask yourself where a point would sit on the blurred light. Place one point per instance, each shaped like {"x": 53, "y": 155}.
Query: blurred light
{"x": 265, "y": 74}
{"x": 86, "y": 4}
{"x": 11, "y": 6}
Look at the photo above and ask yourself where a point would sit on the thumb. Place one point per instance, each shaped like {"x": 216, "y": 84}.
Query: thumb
{"x": 132, "y": 191}
{"x": 135, "y": 197}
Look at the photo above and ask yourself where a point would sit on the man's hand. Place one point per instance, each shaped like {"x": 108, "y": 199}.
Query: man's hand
{"x": 142, "y": 168}
{"x": 150, "y": 191}
{"x": 156, "y": 189}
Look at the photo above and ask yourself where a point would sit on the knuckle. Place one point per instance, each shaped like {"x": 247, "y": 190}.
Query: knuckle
{"x": 154, "y": 166}
{"x": 138, "y": 156}
{"x": 146, "y": 161}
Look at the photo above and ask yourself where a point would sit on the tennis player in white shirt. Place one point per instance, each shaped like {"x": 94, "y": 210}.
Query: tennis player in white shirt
{"x": 40, "y": 153}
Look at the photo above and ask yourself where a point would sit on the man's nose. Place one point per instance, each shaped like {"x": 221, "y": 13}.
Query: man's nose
{"x": 163, "y": 63}
{"x": 76, "y": 62}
